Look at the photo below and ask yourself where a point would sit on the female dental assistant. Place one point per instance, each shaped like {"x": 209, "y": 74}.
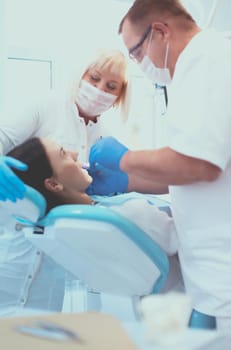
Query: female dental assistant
{"x": 73, "y": 121}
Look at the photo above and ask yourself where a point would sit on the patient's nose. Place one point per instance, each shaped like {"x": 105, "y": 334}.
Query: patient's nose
{"x": 74, "y": 156}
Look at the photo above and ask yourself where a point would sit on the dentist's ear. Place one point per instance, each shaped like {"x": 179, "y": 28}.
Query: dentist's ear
{"x": 162, "y": 29}
{"x": 53, "y": 185}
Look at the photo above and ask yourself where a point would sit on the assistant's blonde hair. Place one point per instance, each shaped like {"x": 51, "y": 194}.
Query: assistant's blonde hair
{"x": 114, "y": 61}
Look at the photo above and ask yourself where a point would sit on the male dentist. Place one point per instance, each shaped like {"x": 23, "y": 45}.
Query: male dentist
{"x": 168, "y": 45}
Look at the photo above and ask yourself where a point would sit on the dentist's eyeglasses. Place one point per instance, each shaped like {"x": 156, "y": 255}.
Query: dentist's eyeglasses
{"x": 135, "y": 53}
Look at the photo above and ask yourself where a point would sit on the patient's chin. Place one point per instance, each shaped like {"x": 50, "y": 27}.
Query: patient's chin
{"x": 89, "y": 180}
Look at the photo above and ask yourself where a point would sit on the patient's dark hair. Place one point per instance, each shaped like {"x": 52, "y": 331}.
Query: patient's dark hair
{"x": 32, "y": 153}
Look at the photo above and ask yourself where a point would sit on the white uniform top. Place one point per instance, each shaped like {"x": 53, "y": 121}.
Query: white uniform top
{"x": 58, "y": 119}
{"x": 28, "y": 278}
{"x": 199, "y": 125}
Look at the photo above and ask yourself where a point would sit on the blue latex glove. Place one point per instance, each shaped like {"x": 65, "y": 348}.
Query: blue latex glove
{"x": 11, "y": 187}
{"x": 106, "y": 181}
{"x": 107, "y": 152}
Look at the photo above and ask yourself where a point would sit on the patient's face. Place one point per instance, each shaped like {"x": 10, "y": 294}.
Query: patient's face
{"x": 66, "y": 167}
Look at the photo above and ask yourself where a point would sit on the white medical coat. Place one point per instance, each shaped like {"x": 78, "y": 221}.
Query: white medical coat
{"x": 199, "y": 125}
{"x": 56, "y": 118}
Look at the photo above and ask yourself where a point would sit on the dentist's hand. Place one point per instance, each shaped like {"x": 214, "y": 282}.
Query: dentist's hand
{"x": 11, "y": 187}
{"x": 107, "y": 152}
{"x": 107, "y": 181}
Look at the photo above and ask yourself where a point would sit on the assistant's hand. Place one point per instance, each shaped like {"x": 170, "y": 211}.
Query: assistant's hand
{"x": 11, "y": 187}
{"x": 107, "y": 152}
{"x": 107, "y": 181}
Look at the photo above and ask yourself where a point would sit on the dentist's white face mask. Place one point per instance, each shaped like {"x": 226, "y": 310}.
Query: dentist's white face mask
{"x": 157, "y": 75}
{"x": 93, "y": 101}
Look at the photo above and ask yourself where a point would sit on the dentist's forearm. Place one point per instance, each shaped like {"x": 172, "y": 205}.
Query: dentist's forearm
{"x": 139, "y": 184}
{"x": 168, "y": 167}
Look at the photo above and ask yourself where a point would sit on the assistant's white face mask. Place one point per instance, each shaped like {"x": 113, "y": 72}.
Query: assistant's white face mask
{"x": 157, "y": 75}
{"x": 93, "y": 101}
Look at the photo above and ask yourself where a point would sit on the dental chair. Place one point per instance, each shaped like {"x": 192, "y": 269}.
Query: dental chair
{"x": 104, "y": 250}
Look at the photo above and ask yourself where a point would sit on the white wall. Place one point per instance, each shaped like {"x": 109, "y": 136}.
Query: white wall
{"x": 201, "y": 11}
{"x": 221, "y": 18}
{"x": 65, "y": 32}
{"x": 2, "y": 56}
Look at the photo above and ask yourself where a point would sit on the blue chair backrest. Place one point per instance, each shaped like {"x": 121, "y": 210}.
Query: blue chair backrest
{"x": 141, "y": 266}
{"x": 129, "y": 229}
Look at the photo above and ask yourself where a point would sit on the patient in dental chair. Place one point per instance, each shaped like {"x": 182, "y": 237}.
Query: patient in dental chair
{"x": 58, "y": 175}
{"x": 33, "y": 280}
